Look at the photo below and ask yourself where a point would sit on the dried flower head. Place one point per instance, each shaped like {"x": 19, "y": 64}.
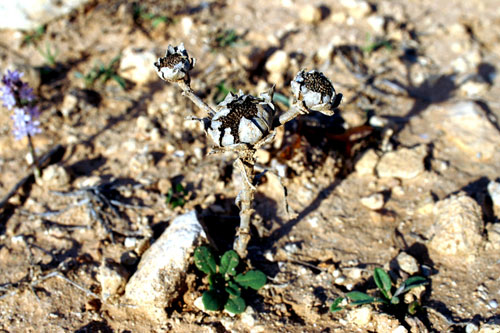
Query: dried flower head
{"x": 313, "y": 91}
{"x": 241, "y": 119}
{"x": 175, "y": 65}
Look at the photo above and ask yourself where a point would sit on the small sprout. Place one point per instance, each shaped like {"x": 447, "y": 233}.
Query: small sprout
{"x": 103, "y": 73}
{"x": 175, "y": 65}
{"x": 140, "y": 13}
{"x": 225, "y": 38}
{"x": 225, "y": 283}
{"x": 384, "y": 285}
{"x": 241, "y": 119}
{"x": 313, "y": 91}
{"x": 49, "y": 55}
{"x": 35, "y": 36}
{"x": 377, "y": 43}
{"x": 176, "y": 196}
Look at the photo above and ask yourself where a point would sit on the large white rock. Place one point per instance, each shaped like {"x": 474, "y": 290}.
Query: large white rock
{"x": 30, "y": 14}
{"x": 136, "y": 65}
{"x": 404, "y": 163}
{"x": 163, "y": 267}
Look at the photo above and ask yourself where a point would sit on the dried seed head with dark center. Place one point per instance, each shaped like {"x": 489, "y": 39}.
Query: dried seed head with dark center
{"x": 241, "y": 119}
{"x": 313, "y": 91}
{"x": 175, "y": 65}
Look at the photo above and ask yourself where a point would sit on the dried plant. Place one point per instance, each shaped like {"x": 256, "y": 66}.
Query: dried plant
{"x": 243, "y": 123}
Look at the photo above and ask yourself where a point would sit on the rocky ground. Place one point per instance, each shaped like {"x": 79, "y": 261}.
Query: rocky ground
{"x": 405, "y": 177}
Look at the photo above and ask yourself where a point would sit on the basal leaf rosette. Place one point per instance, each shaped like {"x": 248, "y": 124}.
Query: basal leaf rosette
{"x": 313, "y": 91}
{"x": 241, "y": 118}
{"x": 175, "y": 65}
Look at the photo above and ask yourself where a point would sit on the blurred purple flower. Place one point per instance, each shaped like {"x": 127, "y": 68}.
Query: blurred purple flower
{"x": 26, "y": 93}
{"x": 12, "y": 78}
{"x": 8, "y": 98}
{"x": 24, "y": 124}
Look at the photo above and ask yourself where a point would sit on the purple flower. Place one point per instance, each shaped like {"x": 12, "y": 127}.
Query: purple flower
{"x": 24, "y": 124}
{"x": 8, "y": 98}
{"x": 26, "y": 93}
{"x": 12, "y": 78}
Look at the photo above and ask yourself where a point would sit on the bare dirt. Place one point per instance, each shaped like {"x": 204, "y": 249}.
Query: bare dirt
{"x": 429, "y": 55}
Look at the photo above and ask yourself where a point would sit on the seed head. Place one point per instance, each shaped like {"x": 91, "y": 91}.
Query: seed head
{"x": 241, "y": 119}
{"x": 175, "y": 65}
{"x": 313, "y": 91}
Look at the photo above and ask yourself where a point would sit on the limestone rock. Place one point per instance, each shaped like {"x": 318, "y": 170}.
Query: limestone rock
{"x": 407, "y": 263}
{"x": 112, "y": 279}
{"x": 55, "y": 177}
{"x": 457, "y": 226}
{"x": 136, "y": 65}
{"x": 310, "y": 14}
{"x": 360, "y": 316}
{"x": 366, "y": 164}
{"x": 357, "y": 8}
{"x": 404, "y": 163}
{"x": 30, "y": 14}
{"x": 467, "y": 127}
{"x": 374, "y": 201}
{"x": 162, "y": 268}
{"x": 278, "y": 62}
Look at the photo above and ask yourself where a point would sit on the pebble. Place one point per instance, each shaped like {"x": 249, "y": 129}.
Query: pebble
{"x": 404, "y": 163}
{"x": 493, "y": 304}
{"x": 360, "y": 316}
{"x": 357, "y": 8}
{"x": 366, "y": 164}
{"x": 112, "y": 279}
{"x": 248, "y": 317}
{"x": 374, "y": 201}
{"x": 471, "y": 328}
{"x": 278, "y": 62}
{"x": 136, "y": 65}
{"x": 162, "y": 268}
{"x": 457, "y": 227}
{"x": 376, "y": 22}
{"x": 466, "y": 127}
{"x": 407, "y": 263}
{"x": 69, "y": 104}
{"x": 310, "y": 14}
{"x": 262, "y": 156}
{"x": 30, "y": 14}
{"x": 187, "y": 24}
{"x": 55, "y": 177}
{"x": 494, "y": 192}
{"x": 473, "y": 88}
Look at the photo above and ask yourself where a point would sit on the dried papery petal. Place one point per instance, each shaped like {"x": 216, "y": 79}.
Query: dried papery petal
{"x": 241, "y": 119}
{"x": 175, "y": 65}
{"x": 313, "y": 91}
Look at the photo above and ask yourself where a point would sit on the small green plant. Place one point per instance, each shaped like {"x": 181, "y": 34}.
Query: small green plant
{"x": 141, "y": 14}
{"x": 373, "y": 44}
{"x": 103, "y": 73}
{"x": 48, "y": 54}
{"x": 225, "y": 284}
{"x": 33, "y": 37}
{"x": 224, "y": 39}
{"x": 384, "y": 285}
{"x": 176, "y": 196}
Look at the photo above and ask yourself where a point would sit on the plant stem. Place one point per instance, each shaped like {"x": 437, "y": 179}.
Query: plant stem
{"x": 189, "y": 93}
{"x": 290, "y": 114}
{"x": 245, "y": 162}
{"x": 36, "y": 167}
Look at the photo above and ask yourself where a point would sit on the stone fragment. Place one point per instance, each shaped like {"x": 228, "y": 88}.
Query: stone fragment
{"x": 467, "y": 127}
{"x": 489, "y": 328}
{"x": 407, "y": 263}
{"x": 136, "y": 65}
{"x": 494, "y": 192}
{"x": 310, "y": 13}
{"x": 404, "y": 163}
{"x": 366, "y": 164}
{"x": 55, "y": 177}
{"x": 357, "y": 8}
{"x": 360, "y": 316}
{"x": 376, "y": 22}
{"x": 112, "y": 279}
{"x": 161, "y": 271}
{"x": 278, "y": 62}
{"x": 69, "y": 104}
{"x": 457, "y": 226}
{"x": 30, "y": 14}
{"x": 374, "y": 201}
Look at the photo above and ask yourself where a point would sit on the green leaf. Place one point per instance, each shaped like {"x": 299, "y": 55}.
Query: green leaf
{"x": 395, "y": 300}
{"x": 253, "y": 279}
{"x": 335, "y": 305}
{"x": 204, "y": 260}
{"x": 213, "y": 300}
{"x": 277, "y": 97}
{"x": 229, "y": 262}
{"x": 383, "y": 282}
{"x": 414, "y": 281}
{"x": 358, "y": 298}
{"x": 233, "y": 289}
{"x": 235, "y": 305}
{"x": 413, "y": 307}
{"x": 120, "y": 81}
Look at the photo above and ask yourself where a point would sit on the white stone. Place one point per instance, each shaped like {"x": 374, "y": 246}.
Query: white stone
{"x": 374, "y": 201}
{"x": 69, "y": 104}
{"x": 278, "y": 62}
{"x": 163, "y": 267}
{"x": 467, "y": 127}
{"x": 360, "y": 316}
{"x": 55, "y": 176}
{"x": 136, "y": 65}
{"x": 404, "y": 163}
{"x": 30, "y": 14}
{"x": 366, "y": 164}
{"x": 458, "y": 226}
{"x": 376, "y": 22}
{"x": 400, "y": 329}
{"x": 310, "y": 13}
{"x": 112, "y": 280}
{"x": 407, "y": 263}
{"x": 494, "y": 192}
{"x": 357, "y": 8}
{"x": 187, "y": 25}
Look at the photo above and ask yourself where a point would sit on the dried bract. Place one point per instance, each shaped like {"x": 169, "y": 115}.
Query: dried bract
{"x": 241, "y": 119}
{"x": 175, "y": 65}
{"x": 313, "y": 91}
